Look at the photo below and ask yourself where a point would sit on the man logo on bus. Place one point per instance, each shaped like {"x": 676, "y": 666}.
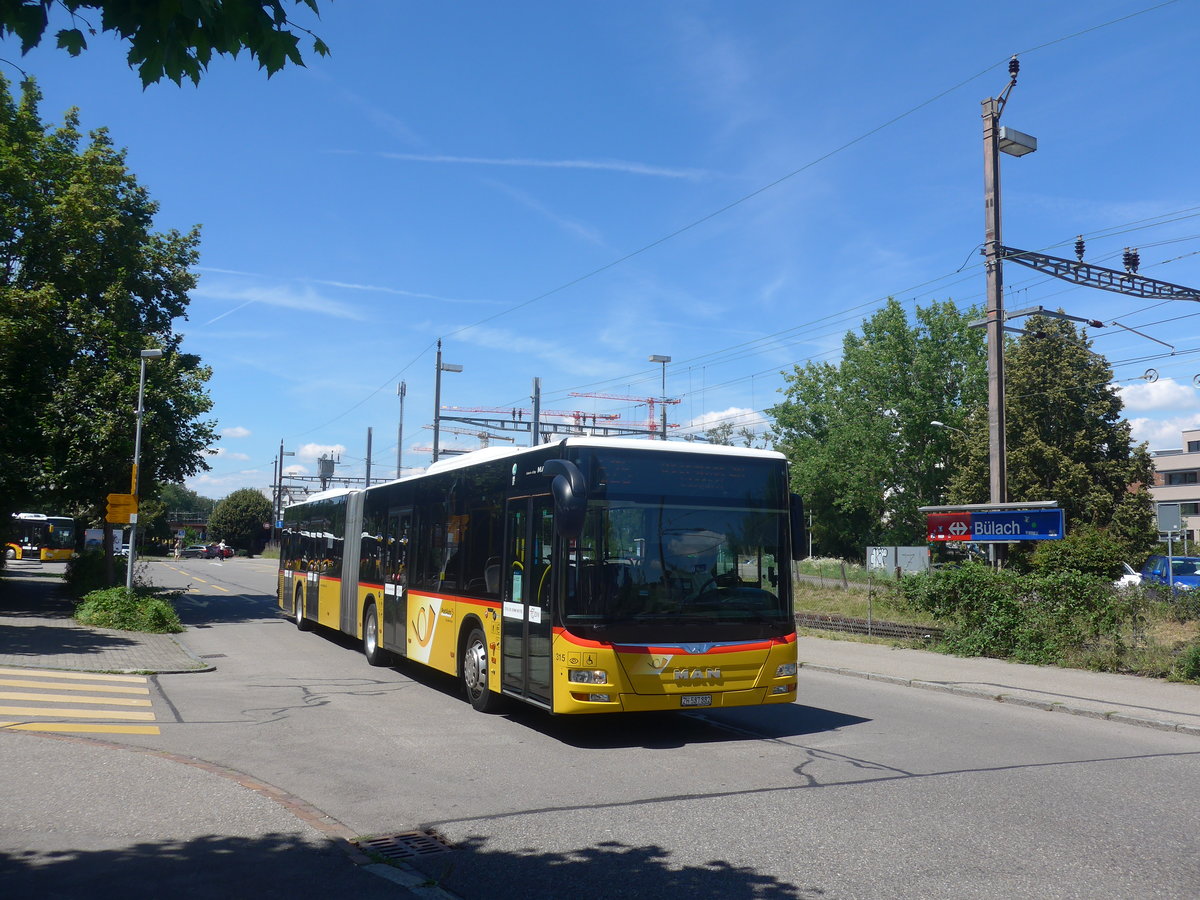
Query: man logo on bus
{"x": 697, "y": 674}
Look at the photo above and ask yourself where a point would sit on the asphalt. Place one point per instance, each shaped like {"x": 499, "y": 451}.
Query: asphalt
{"x": 37, "y": 632}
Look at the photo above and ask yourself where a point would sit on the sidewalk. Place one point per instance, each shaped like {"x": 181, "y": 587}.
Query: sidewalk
{"x": 37, "y": 631}
{"x": 1129, "y": 699}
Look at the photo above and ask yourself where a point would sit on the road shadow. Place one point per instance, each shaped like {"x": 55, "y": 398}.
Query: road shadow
{"x": 216, "y": 866}
{"x": 50, "y": 640}
{"x": 603, "y": 871}
{"x": 25, "y": 595}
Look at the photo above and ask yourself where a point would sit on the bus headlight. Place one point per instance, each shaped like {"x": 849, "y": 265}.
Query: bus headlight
{"x": 786, "y": 670}
{"x": 587, "y": 676}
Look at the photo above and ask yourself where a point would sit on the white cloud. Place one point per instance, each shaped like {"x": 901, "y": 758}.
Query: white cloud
{"x": 302, "y": 298}
{"x": 315, "y": 451}
{"x": 603, "y": 165}
{"x": 222, "y": 453}
{"x": 295, "y": 470}
{"x": 1162, "y": 434}
{"x": 738, "y": 417}
{"x": 235, "y": 431}
{"x": 1165, "y": 395}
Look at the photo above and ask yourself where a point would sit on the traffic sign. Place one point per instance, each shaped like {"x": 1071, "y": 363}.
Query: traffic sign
{"x": 120, "y": 508}
{"x": 996, "y": 526}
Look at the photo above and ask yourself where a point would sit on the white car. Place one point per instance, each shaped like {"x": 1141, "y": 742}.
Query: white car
{"x": 1129, "y": 578}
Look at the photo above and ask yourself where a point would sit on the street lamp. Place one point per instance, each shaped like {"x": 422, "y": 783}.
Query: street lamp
{"x": 137, "y": 455}
{"x": 437, "y": 396}
{"x": 938, "y": 424}
{"x": 656, "y": 358}
{"x": 401, "y": 391}
{"x": 1015, "y": 143}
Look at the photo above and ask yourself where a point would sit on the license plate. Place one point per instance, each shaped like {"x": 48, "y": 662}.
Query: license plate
{"x": 696, "y": 700}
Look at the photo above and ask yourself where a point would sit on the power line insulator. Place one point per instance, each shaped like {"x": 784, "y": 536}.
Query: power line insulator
{"x": 1127, "y": 260}
{"x": 1136, "y": 259}
{"x": 1079, "y": 248}
{"x": 1014, "y": 66}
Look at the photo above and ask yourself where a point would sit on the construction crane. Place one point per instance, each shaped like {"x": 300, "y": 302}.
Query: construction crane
{"x": 520, "y": 414}
{"x": 652, "y": 423}
{"x": 484, "y": 437}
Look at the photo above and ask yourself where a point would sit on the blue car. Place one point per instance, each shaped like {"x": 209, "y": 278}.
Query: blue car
{"x": 1185, "y": 572}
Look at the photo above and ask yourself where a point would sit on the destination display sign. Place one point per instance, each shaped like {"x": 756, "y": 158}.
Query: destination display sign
{"x": 996, "y": 526}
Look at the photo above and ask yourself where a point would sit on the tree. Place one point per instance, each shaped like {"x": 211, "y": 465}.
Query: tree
{"x": 175, "y": 38}
{"x": 239, "y": 519}
{"x": 721, "y": 433}
{"x": 863, "y": 453}
{"x": 85, "y": 284}
{"x": 1066, "y": 437}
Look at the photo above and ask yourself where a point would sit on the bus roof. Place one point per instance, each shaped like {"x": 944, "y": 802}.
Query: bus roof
{"x": 488, "y": 454}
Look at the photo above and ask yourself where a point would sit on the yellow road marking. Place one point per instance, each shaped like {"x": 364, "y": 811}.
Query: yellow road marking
{"x": 81, "y": 676}
{"x": 80, "y": 727}
{"x": 219, "y": 588}
{"x": 202, "y": 581}
{"x": 40, "y": 713}
{"x": 111, "y": 701}
{"x": 73, "y": 686}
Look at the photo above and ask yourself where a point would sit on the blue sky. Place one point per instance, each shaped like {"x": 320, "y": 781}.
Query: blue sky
{"x": 562, "y": 189}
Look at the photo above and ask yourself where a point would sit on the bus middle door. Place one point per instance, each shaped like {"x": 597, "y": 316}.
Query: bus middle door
{"x": 395, "y": 580}
{"x": 528, "y": 594}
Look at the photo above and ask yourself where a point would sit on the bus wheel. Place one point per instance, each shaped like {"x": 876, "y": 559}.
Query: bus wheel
{"x": 298, "y": 611}
{"x": 475, "y": 673}
{"x": 375, "y": 654}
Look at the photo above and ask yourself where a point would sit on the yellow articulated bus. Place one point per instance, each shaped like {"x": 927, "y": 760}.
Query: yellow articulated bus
{"x": 38, "y": 536}
{"x": 586, "y": 576}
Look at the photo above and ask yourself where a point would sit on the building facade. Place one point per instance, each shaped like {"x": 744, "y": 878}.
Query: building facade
{"x": 1177, "y": 479}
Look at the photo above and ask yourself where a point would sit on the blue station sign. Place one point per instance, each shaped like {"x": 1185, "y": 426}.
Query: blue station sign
{"x": 997, "y": 526}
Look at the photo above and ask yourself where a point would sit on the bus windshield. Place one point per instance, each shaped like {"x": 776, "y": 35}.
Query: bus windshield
{"x": 653, "y": 571}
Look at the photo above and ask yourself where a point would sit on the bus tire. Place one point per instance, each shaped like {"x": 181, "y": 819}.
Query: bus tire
{"x": 375, "y": 654}
{"x": 298, "y": 611}
{"x": 475, "y": 673}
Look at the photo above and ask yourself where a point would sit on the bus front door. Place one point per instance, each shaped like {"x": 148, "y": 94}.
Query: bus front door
{"x": 528, "y": 595}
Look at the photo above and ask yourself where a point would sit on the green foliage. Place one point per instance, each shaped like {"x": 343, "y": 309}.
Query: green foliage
{"x": 143, "y": 609}
{"x": 1067, "y": 440}
{"x": 170, "y": 38}
{"x": 1086, "y": 549}
{"x": 87, "y": 572}
{"x": 85, "y": 284}
{"x": 863, "y": 454}
{"x": 239, "y": 519}
{"x": 1187, "y": 664}
{"x": 1042, "y": 618}
{"x": 721, "y": 433}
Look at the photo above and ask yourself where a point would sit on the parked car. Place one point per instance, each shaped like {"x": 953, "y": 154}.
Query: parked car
{"x": 1130, "y": 577}
{"x": 198, "y": 551}
{"x": 1185, "y": 572}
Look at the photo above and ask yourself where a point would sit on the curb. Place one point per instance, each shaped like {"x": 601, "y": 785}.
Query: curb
{"x": 1013, "y": 699}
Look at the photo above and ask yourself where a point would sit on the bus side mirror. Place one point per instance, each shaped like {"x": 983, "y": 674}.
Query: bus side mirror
{"x": 570, "y": 496}
{"x": 799, "y": 532}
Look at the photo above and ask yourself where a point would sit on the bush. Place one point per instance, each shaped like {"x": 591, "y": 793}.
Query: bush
{"x": 1086, "y": 549}
{"x": 1187, "y": 664}
{"x": 1041, "y": 618}
{"x": 143, "y": 609}
{"x": 85, "y": 572}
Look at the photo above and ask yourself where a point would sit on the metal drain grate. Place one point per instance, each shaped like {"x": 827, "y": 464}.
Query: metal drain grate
{"x": 406, "y": 845}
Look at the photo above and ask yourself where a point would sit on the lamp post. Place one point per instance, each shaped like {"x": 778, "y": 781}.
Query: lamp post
{"x": 437, "y": 397}
{"x": 1015, "y": 143}
{"x": 137, "y": 455}
{"x": 656, "y": 358}
{"x": 401, "y": 391}
{"x": 995, "y": 141}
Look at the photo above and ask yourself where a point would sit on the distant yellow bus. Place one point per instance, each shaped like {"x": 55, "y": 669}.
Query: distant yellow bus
{"x": 38, "y": 536}
{"x": 586, "y": 576}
